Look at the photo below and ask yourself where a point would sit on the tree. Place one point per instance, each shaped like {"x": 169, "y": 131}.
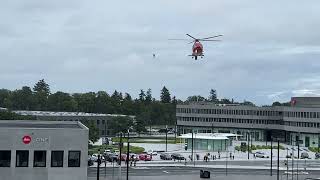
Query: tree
{"x": 141, "y": 122}
{"x": 196, "y": 99}
{"x": 148, "y": 96}
{"x": 247, "y": 103}
{"x": 4, "y": 94}
{"x": 276, "y": 103}
{"x": 61, "y": 101}
{"x": 225, "y": 101}
{"x": 102, "y": 103}
{"x": 121, "y": 124}
{"x": 93, "y": 130}
{"x": 42, "y": 91}
{"x": 142, "y": 96}
{"x": 213, "y": 96}
{"x": 165, "y": 95}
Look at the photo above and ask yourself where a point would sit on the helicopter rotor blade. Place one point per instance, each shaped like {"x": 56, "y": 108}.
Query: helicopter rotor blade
{"x": 191, "y": 36}
{"x": 178, "y": 39}
{"x": 211, "y": 37}
{"x": 210, "y": 40}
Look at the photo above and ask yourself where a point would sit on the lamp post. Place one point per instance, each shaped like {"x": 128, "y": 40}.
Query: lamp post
{"x": 271, "y": 158}
{"x": 128, "y": 156}
{"x": 98, "y": 166}
{"x": 194, "y": 162}
{"x": 166, "y": 138}
{"x": 248, "y": 137}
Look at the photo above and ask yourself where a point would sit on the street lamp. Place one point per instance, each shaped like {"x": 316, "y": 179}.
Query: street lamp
{"x": 166, "y": 138}
{"x": 128, "y": 146}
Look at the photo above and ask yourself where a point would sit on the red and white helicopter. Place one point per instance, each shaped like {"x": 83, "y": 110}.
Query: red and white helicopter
{"x": 197, "y": 48}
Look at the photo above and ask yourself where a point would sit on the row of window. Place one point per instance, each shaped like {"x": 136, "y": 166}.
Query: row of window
{"x": 250, "y": 121}
{"x": 302, "y": 114}
{"x": 229, "y": 112}
{"x": 39, "y": 158}
{"x": 250, "y": 112}
{"x": 302, "y": 124}
{"x": 230, "y": 120}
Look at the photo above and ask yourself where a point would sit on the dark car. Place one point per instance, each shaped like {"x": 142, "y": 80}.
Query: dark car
{"x": 317, "y": 155}
{"x": 165, "y": 156}
{"x": 177, "y": 156}
{"x": 111, "y": 157}
{"x": 90, "y": 162}
{"x": 304, "y": 155}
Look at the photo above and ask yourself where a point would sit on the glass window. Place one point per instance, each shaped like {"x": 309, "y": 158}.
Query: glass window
{"x": 22, "y": 158}
{"x": 98, "y": 121}
{"x": 39, "y": 158}
{"x": 56, "y": 158}
{"x": 5, "y": 158}
{"x": 74, "y": 159}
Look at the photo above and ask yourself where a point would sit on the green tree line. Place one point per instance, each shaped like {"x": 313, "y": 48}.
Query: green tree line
{"x": 145, "y": 107}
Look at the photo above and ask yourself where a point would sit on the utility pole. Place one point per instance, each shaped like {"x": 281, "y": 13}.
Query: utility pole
{"x": 120, "y": 152}
{"x": 98, "y": 166}
{"x": 192, "y": 146}
{"x": 278, "y": 160}
{"x": 248, "y": 137}
{"x": 271, "y": 159}
{"x": 166, "y": 138}
{"x": 128, "y": 158}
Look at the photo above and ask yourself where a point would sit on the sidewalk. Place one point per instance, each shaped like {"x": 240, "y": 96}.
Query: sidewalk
{"x": 177, "y": 164}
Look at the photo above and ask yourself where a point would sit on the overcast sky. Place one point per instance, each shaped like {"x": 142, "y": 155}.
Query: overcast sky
{"x": 270, "y": 49}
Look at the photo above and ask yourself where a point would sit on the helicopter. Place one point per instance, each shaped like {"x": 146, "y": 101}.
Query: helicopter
{"x": 197, "y": 48}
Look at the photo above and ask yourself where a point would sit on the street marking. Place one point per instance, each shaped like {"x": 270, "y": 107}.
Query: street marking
{"x": 140, "y": 168}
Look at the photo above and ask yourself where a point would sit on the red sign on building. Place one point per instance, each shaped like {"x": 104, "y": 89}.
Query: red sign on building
{"x": 26, "y": 139}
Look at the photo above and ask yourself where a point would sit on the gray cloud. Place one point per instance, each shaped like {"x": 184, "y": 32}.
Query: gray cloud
{"x": 270, "y": 49}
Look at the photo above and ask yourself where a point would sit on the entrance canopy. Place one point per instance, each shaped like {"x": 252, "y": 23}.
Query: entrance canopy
{"x": 214, "y": 136}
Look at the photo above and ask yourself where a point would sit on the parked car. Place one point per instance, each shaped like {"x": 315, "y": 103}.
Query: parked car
{"x": 153, "y": 153}
{"x": 317, "y": 155}
{"x": 261, "y": 155}
{"x": 111, "y": 157}
{"x": 134, "y": 157}
{"x": 177, "y": 156}
{"x": 304, "y": 155}
{"x": 145, "y": 157}
{"x": 90, "y": 161}
{"x": 165, "y": 156}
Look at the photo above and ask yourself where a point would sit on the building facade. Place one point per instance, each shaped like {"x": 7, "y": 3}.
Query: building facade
{"x": 100, "y": 120}
{"x": 300, "y": 121}
{"x": 38, "y": 150}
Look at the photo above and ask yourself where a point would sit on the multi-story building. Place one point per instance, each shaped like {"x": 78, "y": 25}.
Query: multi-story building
{"x": 43, "y": 150}
{"x": 300, "y": 121}
{"x": 100, "y": 120}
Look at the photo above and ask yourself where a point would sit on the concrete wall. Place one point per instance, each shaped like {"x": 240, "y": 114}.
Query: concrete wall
{"x": 58, "y": 139}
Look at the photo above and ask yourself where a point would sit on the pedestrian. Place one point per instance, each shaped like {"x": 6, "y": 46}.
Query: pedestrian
{"x": 232, "y": 157}
{"x": 219, "y": 156}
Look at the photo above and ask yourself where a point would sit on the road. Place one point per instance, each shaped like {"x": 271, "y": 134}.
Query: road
{"x": 189, "y": 173}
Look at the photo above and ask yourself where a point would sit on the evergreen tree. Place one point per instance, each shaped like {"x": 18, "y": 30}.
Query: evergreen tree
{"x": 148, "y": 96}
{"x": 165, "y": 95}
{"x": 42, "y": 91}
{"x": 213, "y": 96}
{"x": 142, "y": 96}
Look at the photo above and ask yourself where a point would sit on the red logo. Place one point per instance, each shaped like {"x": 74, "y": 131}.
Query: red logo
{"x": 26, "y": 139}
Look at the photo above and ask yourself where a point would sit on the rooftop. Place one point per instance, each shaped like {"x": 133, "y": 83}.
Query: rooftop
{"x": 208, "y": 136}
{"x": 41, "y": 124}
{"x": 51, "y": 113}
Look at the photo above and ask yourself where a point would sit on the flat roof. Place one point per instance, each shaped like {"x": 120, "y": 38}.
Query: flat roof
{"x": 216, "y": 136}
{"x": 41, "y": 124}
{"x": 51, "y": 113}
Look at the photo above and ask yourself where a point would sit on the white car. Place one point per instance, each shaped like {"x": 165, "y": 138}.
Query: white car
{"x": 261, "y": 155}
{"x": 154, "y": 153}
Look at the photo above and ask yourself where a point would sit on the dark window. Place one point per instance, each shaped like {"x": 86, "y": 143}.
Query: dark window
{"x": 22, "y": 158}
{"x": 74, "y": 159}
{"x": 98, "y": 121}
{"x": 57, "y": 159}
{"x": 39, "y": 158}
{"x": 5, "y": 158}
